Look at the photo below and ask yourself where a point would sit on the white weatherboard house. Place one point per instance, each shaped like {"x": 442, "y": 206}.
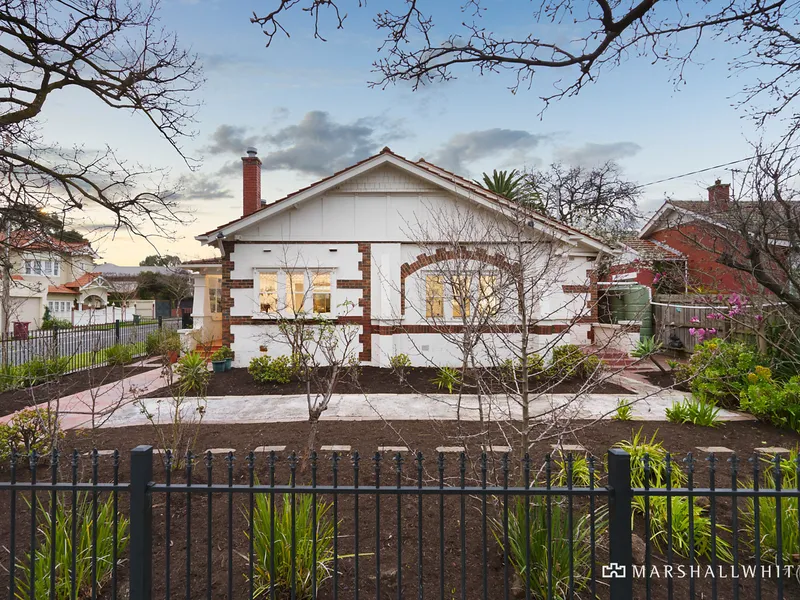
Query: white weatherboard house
{"x": 346, "y": 240}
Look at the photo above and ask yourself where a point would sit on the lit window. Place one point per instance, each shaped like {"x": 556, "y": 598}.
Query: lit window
{"x": 215, "y": 295}
{"x": 461, "y": 287}
{"x": 488, "y": 302}
{"x": 322, "y": 292}
{"x": 295, "y": 291}
{"x": 434, "y": 296}
{"x": 268, "y": 292}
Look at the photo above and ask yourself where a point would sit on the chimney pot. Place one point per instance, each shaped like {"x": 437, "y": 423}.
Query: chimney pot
{"x": 719, "y": 194}
{"x": 251, "y": 182}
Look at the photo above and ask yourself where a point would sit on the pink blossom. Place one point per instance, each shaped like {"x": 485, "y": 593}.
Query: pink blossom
{"x": 694, "y": 320}
{"x": 759, "y": 318}
{"x": 692, "y": 330}
{"x": 711, "y": 331}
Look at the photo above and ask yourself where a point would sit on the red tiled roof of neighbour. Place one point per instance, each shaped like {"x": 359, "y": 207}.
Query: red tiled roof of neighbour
{"x": 82, "y": 280}
{"x": 17, "y": 278}
{"x": 772, "y": 216}
{"x": 489, "y": 195}
{"x": 651, "y": 250}
{"x": 60, "y": 289}
{"x": 25, "y": 240}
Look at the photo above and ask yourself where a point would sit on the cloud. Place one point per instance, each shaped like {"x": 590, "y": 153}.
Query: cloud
{"x": 201, "y": 187}
{"x": 465, "y": 148}
{"x": 592, "y": 154}
{"x": 230, "y": 139}
{"x": 318, "y": 145}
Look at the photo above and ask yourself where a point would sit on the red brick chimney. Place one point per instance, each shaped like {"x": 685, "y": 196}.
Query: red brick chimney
{"x": 251, "y": 182}
{"x": 719, "y": 194}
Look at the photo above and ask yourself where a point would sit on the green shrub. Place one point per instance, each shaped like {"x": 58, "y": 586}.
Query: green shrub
{"x": 225, "y": 352}
{"x": 624, "y": 411}
{"x": 550, "y": 524}
{"x": 569, "y": 361}
{"x": 513, "y": 372}
{"x": 162, "y": 342}
{"x": 119, "y": 354}
{"x": 772, "y": 401}
{"x": 11, "y": 378}
{"x": 717, "y": 370}
{"x": 304, "y": 532}
{"x": 84, "y": 551}
{"x": 218, "y": 356}
{"x": 578, "y": 471}
{"x": 695, "y": 411}
{"x": 399, "y": 363}
{"x": 29, "y": 430}
{"x": 788, "y": 544}
{"x": 194, "y": 376}
{"x": 660, "y": 528}
{"x": 281, "y": 369}
{"x": 447, "y": 378}
{"x": 640, "y": 448}
{"x": 39, "y": 370}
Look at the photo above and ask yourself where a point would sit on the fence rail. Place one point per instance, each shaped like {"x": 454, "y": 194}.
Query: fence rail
{"x": 396, "y": 526}
{"x": 84, "y": 346}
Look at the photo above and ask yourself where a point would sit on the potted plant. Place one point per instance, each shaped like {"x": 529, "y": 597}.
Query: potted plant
{"x": 218, "y": 361}
{"x": 227, "y": 354}
{"x": 171, "y": 347}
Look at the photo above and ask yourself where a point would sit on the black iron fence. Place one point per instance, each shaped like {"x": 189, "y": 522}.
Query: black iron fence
{"x": 84, "y": 346}
{"x": 397, "y": 526}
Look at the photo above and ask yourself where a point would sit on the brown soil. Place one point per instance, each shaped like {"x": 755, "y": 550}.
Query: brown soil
{"x": 375, "y": 380}
{"x": 664, "y": 380}
{"x": 73, "y": 383}
{"x": 366, "y": 436}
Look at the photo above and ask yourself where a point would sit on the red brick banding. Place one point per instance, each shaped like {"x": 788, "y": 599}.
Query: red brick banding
{"x": 441, "y": 254}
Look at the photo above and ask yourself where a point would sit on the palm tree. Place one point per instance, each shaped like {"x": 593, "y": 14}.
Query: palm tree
{"x": 514, "y": 186}
{"x": 504, "y": 183}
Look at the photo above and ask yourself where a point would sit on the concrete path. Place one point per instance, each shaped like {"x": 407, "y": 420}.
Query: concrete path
{"x": 648, "y": 403}
{"x": 77, "y": 410}
{"x": 115, "y": 405}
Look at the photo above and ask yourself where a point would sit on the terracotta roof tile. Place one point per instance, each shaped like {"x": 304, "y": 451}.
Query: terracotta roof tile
{"x": 60, "y": 289}
{"x": 652, "y": 250}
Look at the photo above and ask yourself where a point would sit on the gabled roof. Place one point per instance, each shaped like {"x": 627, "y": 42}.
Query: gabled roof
{"x": 61, "y": 289}
{"x": 38, "y": 241}
{"x": 762, "y": 216}
{"x": 422, "y": 169}
{"x": 651, "y": 249}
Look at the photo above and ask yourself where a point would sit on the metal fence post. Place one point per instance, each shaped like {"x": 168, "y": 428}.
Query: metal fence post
{"x": 620, "y": 568}
{"x": 116, "y": 330}
{"x": 160, "y": 322}
{"x": 141, "y": 525}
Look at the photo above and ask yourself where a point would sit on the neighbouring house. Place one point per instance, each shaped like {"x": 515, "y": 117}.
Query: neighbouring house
{"x": 126, "y": 287}
{"x": 50, "y": 273}
{"x": 674, "y": 274}
{"x": 347, "y": 241}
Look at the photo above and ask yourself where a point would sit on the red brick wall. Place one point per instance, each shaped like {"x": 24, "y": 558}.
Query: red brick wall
{"x": 702, "y": 245}
{"x": 251, "y": 184}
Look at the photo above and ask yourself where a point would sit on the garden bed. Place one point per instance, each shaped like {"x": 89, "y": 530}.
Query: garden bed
{"x": 664, "y": 380}
{"x": 375, "y": 380}
{"x": 79, "y": 381}
{"x": 366, "y": 437}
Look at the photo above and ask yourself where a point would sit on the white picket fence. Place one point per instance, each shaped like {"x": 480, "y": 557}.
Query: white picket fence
{"x": 98, "y": 316}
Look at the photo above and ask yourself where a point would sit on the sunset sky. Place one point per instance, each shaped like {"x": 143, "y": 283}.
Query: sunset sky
{"x": 307, "y": 107}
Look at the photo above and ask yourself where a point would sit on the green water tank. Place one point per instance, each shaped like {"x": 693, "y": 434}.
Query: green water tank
{"x": 632, "y": 304}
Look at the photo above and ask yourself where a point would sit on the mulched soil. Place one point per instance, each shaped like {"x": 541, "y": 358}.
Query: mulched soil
{"x": 366, "y": 437}
{"x": 375, "y": 380}
{"x": 664, "y": 380}
{"x": 73, "y": 383}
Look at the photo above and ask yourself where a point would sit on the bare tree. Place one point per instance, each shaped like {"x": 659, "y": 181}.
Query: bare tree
{"x": 116, "y": 52}
{"x": 321, "y": 339}
{"x": 597, "y": 199}
{"x": 418, "y": 48}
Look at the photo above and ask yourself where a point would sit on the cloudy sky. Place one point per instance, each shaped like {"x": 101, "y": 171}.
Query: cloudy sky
{"x": 307, "y": 107}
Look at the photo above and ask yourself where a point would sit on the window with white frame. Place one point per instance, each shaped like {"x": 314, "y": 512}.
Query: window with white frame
{"x": 454, "y": 298}
{"x": 321, "y": 292}
{"x": 43, "y": 267}
{"x": 268, "y": 292}
{"x": 295, "y": 292}
{"x": 434, "y": 296}
{"x": 59, "y": 306}
{"x": 215, "y": 294}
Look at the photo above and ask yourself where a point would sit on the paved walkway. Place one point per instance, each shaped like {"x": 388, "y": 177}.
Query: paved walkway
{"x": 115, "y": 405}
{"x": 648, "y": 404}
{"x": 77, "y": 409}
